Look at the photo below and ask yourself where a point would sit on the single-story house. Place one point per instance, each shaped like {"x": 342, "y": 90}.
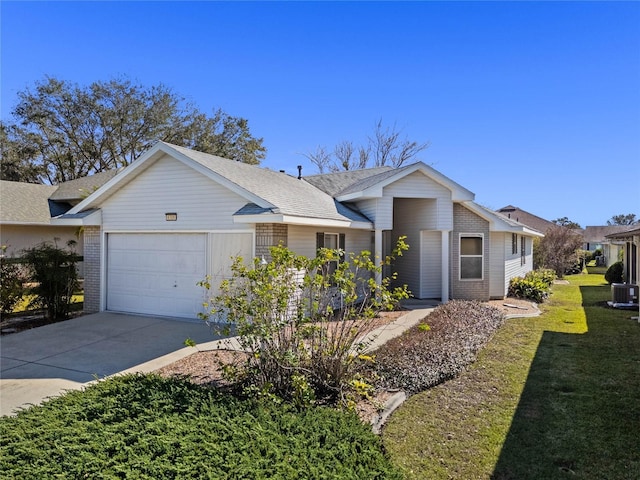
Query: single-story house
{"x": 26, "y": 211}
{"x": 596, "y": 238}
{"x": 176, "y": 215}
{"x": 631, "y": 238}
{"x": 527, "y": 218}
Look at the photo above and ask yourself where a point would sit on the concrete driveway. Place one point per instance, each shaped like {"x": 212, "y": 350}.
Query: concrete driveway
{"x": 46, "y": 361}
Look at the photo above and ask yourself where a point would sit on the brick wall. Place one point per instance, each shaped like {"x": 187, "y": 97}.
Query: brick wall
{"x": 465, "y": 221}
{"x": 269, "y": 235}
{"x": 92, "y": 247}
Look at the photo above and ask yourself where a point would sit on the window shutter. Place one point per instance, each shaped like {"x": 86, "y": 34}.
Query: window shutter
{"x": 341, "y": 245}
{"x": 319, "y": 240}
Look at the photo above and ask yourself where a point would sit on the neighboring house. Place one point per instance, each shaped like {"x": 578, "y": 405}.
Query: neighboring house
{"x": 529, "y": 219}
{"x": 596, "y": 238}
{"x": 176, "y": 215}
{"x": 631, "y": 238}
{"x": 26, "y": 210}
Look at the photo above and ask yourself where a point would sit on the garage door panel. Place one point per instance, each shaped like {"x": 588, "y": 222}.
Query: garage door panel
{"x": 156, "y": 274}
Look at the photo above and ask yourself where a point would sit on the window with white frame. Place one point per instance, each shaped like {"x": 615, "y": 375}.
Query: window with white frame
{"x": 332, "y": 241}
{"x": 471, "y": 256}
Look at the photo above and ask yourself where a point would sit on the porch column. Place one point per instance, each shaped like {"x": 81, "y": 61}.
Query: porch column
{"x": 444, "y": 276}
{"x": 378, "y": 252}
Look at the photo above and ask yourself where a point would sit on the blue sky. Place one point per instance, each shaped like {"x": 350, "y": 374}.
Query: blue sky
{"x": 535, "y": 104}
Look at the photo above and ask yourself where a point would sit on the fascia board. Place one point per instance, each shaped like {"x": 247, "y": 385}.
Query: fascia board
{"x": 156, "y": 153}
{"x": 458, "y": 192}
{"x": 95, "y": 219}
{"x": 305, "y": 221}
{"x": 496, "y": 224}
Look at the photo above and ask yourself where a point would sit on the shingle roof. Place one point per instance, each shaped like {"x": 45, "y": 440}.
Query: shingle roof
{"x": 337, "y": 183}
{"x": 631, "y": 230}
{"x": 597, "y": 234}
{"x": 81, "y": 187}
{"x": 526, "y": 218}
{"x": 288, "y": 195}
{"x": 26, "y": 203}
{"x": 511, "y": 222}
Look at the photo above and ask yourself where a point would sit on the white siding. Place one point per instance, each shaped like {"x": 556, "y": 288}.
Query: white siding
{"x": 417, "y": 185}
{"x": 431, "y": 262}
{"x": 302, "y": 240}
{"x": 369, "y": 208}
{"x": 497, "y": 265}
{"x": 513, "y": 262}
{"x": 379, "y": 211}
{"x": 223, "y": 248}
{"x": 170, "y": 186}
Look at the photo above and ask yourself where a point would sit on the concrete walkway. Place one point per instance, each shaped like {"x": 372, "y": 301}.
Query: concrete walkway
{"x": 45, "y": 361}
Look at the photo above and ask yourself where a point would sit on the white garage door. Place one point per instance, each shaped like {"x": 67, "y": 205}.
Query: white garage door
{"x": 156, "y": 273}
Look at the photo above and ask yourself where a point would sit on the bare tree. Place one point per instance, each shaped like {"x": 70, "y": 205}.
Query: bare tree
{"x": 385, "y": 147}
{"x": 346, "y": 159}
{"x": 389, "y": 149}
{"x": 320, "y": 158}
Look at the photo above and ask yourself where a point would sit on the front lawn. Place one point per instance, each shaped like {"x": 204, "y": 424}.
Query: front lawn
{"x": 147, "y": 427}
{"x": 550, "y": 397}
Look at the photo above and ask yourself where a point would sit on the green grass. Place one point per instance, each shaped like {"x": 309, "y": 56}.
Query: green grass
{"x": 148, "y": 427}
{"x": 593, "y": 270}
{"x": 551, "y": 397}
{"x": 23, "y": 305}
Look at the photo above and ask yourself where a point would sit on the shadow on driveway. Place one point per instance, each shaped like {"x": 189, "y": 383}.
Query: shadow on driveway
{"x": 45, "y": 361}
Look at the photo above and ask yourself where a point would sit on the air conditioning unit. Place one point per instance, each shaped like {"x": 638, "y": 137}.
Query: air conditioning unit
{"x": 624, "y": 293}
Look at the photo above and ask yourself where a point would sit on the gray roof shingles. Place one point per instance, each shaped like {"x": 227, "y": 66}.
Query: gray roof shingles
{"x": 597, "y": 234}
{"x": 287, "y": 194}
{"x": 338, "y": 183}
{"x": 25, "y": 203}
{"x": 82, "y": 187}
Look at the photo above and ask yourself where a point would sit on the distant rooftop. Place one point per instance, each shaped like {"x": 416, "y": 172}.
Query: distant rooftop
{"x": 526, "y": 218}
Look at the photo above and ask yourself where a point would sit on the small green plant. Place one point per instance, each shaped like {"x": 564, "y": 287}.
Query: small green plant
{"x": 535, "y": 285}
{"x": 304, "y": 321}
{"x": 614, "y": 273}
{"x": 53, "y": 272}
{"x": 12, "y": 279}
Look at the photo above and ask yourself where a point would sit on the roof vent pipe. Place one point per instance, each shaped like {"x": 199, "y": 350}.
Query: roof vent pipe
{"x": 299, "y": 172}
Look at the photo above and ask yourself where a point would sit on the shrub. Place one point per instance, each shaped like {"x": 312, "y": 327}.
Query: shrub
{"x": 424, "y": 357}
{"x": 145, "y": 426}
{"x": 535, "y": 285}
{"x": 54, "y": 274}
{"x": 545, "y": 275}
{"x": 12, "y": 279}
{"x": 302, "y": 321}
{"x": 614, "y": 273}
